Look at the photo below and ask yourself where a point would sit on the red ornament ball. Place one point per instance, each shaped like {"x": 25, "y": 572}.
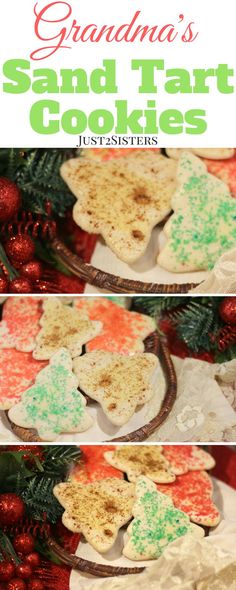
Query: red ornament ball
{"x": 24, "y": 571}
{"x": 10, "y": 199}
{"x": 33, "y": 559}
{"x": 7, "y": 570}
{"x": 32, "y": 270}
{"x": 20, "y": 285}
{"x": 227, "y": 310}
{"x": 20, "y": 248}
{"x": 3, "y": 284}
{"x": 16, "y": 584}
{"x": 12, "y": 509}
{"x": 24, "y": 543}
{"x": 35, "y": 584}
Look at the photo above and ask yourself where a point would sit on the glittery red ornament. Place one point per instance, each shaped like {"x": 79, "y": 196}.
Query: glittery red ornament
{"x": 33, "y": 559}
{"x": 226, "y": 337}
{"x": 32, "y": 270}
{"x": 20, "y": 285}
{"x": 12, "y": 509}
{"x": 24, "y": 571}
{"x": 3, "y": 284}
{"x": 20, "y": 248}
{"x": 10, "y": 199}
{"x": 24, "y": 543}
{"x": 35, "y": 584}
{"x": 227, "y": 310}
{"x": 16, "y": 584}
{"x": 7, "y": 570}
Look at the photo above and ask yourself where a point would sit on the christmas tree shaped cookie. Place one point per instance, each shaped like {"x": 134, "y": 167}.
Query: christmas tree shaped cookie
{"x": 20, "y": 323}
{"x": 156, "y": 523}
{"x": 97, "y": 510}
{"x": 203, "y": 225}
{"x": 122, "y": 199}
{"x": 119, "y": 383}
{"x": 192, "y": 493}
{"x": 122, "y": 331}
{"x": 63, "y": 327}
{"x": 184, "y": 458}
{"x": 139, "y": 460}
{"x": 53, "y": 404}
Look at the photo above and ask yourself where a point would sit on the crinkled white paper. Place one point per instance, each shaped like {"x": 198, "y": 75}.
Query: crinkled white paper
{"x": 222, "y": 278}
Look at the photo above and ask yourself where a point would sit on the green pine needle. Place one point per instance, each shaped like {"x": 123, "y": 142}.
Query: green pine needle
{"x": 154, "y": 306}
{"x": 37, "y": 173}
{"x": 196, "y": 324}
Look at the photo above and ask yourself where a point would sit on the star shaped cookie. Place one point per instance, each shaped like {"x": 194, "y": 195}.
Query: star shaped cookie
{"x": 93, "y": 465}
{"x": 18, "y": 370}
{"x": 20, "y": 323}
{"x": 97, "y": 510}
{"x": 123, "y": 331}
{"x": 184, "y": 458}
{"x": 203, "y": 225}
{"x": 119, "y": 383}
{"x": 192, "y": 493}
{"x": 122, "y": 199}
{"x": 63, "y": 327}
{"x": 136, "y": 460}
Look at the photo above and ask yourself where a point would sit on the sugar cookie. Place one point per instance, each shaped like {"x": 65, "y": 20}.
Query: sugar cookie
{"x": 119, "y": 383}
{"x": 96, "y": 510}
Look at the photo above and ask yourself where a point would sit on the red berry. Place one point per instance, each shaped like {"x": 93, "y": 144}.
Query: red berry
{"x": 24, "y": 571}
{"x": 10, "y": 199}
{"x": 33, "y": 559}
{"x": 24, "y": 543}
{"x": 20, "y": 285}
{"x": 12, "y": 509}
{"x": 7, "y": 570}
{"x": 16, "y": 584}
{"x": 20, "y": 248}
{"x": 3, "y": 284}
{"x": 32, "y": 270}
{"x": 35, "y": 584}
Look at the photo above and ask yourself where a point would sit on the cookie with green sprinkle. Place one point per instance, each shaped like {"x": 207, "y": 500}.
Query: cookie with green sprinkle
{"x": 156, "y": 523}
{"x": 203, "y": 225}
{"x": 53, "y": 404}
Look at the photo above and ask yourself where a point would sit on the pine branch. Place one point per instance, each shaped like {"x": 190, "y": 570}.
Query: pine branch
{"x": 40, "y": 500}
{"x": 196, "y": 324}
{"x": 154, "y": 306}
{"x": 37, "y": 173}
{"x": 58, "y": 459}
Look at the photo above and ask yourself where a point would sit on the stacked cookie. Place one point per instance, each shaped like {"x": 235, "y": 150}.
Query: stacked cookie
{"x": 167, "y": 495}
{"x": 124, "y": 199}
{"x": 42, "y": 365}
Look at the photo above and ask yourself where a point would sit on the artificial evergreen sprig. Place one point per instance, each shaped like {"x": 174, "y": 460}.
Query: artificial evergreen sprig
{"x": 34, "y": 480}
{"x": 155, "y": 306}
{"x": 37, "y": 173}
{"x": 197, "y": 321}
